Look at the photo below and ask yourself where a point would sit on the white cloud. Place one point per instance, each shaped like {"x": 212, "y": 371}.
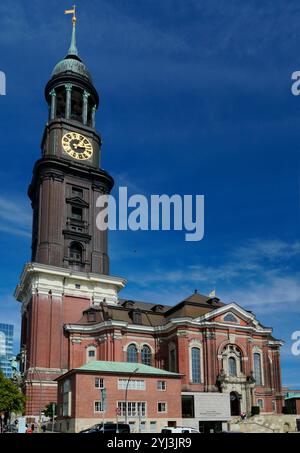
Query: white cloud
{"x": 15, "y": 216}
{"x": 255, "y": 275}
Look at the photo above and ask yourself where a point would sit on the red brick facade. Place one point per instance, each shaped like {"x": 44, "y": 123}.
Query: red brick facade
{"x": 83, "y": 394}
{"x": 57, "y": 343}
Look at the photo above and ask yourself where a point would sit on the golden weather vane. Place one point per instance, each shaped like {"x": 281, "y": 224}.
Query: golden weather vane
{"x": 72, "y": 11}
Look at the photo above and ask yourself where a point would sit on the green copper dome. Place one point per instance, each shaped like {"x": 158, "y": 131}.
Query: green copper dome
{"x": 72, "y": 62}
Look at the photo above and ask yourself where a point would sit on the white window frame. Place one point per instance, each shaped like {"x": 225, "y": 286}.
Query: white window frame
{"x": 101, "y": 382}
{"x": 100, "y": 405}
{"x": 88, "y": 358}
{"x": 263, "y": 403}
{"x": 133, "y": 384}
{"x": 132, "y": 408}
{"x": 259, "y": 352}
{"x": 196, "y": 344}
{"x": 159, "y": 388}
{"x": 166, "y": 407}
{"x": 132, "y": 343}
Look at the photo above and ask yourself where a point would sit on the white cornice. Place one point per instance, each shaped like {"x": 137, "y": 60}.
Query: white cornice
{"x": 236, "y": 309}
{"x": 161, "y": 329}
{"x": 58, "y": 281}
{"x": 229, "y": 307}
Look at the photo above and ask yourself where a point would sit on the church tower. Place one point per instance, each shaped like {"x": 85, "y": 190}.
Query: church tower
{"x": 69, "y": 271}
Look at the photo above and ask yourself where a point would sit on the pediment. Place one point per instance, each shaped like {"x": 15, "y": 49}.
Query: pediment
{"x": 77, "y": 201}
{"x": 232, "y": 315}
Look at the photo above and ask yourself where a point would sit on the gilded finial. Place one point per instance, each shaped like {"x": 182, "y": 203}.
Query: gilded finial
{"x": 72, "y": 11}
{"x": 73, "y": 48}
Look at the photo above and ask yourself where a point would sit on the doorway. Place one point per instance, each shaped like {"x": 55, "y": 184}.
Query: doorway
{"x": 235, "y": 405}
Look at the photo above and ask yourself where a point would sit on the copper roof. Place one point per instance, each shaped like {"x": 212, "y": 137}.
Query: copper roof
{"x": 150, "y": 314}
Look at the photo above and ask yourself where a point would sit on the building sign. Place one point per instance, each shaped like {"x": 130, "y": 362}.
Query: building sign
{"x": 211, "y": 406}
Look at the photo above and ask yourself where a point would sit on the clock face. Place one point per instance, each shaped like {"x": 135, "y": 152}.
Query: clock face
{"x": 77, "y": 146}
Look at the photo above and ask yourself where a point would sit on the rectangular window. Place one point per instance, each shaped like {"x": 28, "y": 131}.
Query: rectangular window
{"x": 196, "y": 371}
{"x": 274, "y": 406}
{"x": 135, "y": 408}
{"x": 77, "y": 213}
{"x": 161, "y": 407}
{"x": 67, "y": 404}
{"x": 260, "y": 403}
{"x": 98, "y": 406}
{"x": 99, "y": 383}
{"x": 76, "y": 192}
{"x": 161, "y": 385}
{"x": 91, "y": 353}
{"x": 187, "y": 403}
{"x": 172, "y": 360}
{"x": 67, "y": 386}
{"x": 135, "y": 384}
{"x": 257, "y": 369}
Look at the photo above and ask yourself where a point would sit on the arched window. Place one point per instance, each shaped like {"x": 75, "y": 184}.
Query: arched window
{"x": 91, "y": 354}
{"x": 232, "y": 366}
{"x": 196, "y": 367}
{"x": 76, "y": 255}
{"x": 146, "y": 355}
{"x": 257, "y": 368}
{"x": 61, "y": 102}
{"x": 76, "y": 104}
{"x": 232, "y": 360}
{"x": 132, "y": 353}
{"x": 230, "y": 318}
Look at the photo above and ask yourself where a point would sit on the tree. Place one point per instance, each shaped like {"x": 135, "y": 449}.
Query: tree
{"x": 11, "y": 398}
{"x": 49, "y": 410}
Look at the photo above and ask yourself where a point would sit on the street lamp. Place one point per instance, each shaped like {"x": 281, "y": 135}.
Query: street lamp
{"x": 126, "y": 393}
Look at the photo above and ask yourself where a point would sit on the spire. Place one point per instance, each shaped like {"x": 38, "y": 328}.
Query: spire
{"x": 73, "y": 47}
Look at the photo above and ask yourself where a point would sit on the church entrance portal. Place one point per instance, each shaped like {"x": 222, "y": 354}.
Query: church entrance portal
{"x": 235, "y": 406}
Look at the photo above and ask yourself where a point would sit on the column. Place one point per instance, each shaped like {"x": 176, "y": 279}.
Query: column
{"x": 53, "y": 104}
{"x": 85, "y": 107}
{"x": 94, "y": 116}
{"x": 211, "y": 365}
{"x": 68, "y": 87}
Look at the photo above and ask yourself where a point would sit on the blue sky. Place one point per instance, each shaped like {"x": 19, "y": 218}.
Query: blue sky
{"x": 195, "y": 99}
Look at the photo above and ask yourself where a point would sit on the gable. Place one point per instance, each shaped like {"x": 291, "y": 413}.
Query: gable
{"x": 232, "y": 315}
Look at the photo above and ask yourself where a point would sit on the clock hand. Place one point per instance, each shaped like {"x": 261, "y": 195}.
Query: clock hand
{"x": 81, "y": 144}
